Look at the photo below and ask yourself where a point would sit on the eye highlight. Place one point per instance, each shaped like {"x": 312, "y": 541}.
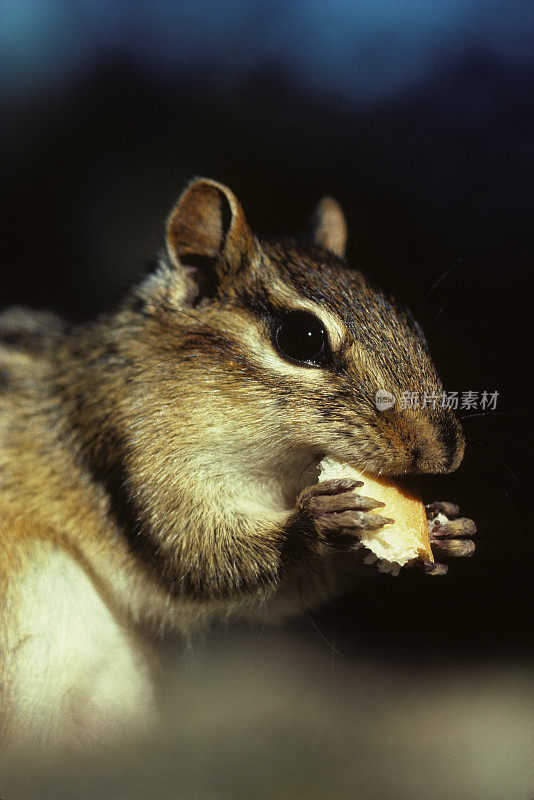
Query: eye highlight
{"x": 301, "y": 337}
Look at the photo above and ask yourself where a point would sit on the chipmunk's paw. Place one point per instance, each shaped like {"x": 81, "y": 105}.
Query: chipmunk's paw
{"x": 339, "y": 514}
{"x": 450, "y": 535}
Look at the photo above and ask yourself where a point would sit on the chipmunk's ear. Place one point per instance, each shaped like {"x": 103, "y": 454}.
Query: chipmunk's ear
{"x": 207, "y": 233}
{"x": 329, "y": 227}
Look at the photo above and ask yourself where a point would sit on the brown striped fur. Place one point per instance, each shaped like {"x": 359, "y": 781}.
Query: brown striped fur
{"x": 160, "y": 449}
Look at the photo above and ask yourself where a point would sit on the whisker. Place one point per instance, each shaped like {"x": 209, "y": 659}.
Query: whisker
{"x": 180, "y": 311}
{"x": 445, "y": 274}
{"x": 436, "y": 318}
{"x": 506, "y": 438}
{"x": 455, "y": 331}
{"x": 316, "y": 460}
{"x": 176, "y": 358}
{"x": 505, "y": 492}
{"x": 496, "y": 414}
{"x": 499, "y": 458}
{"x": 323, "y": 637}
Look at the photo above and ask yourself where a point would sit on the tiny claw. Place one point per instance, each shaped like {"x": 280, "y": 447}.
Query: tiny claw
{"x": 455, "y": 529}
{"x": 355, "y": 520}
{"x": 364, "y": 521}
{"x": 368, "y": 504}
{"x": 381, "y": 520}
{"x": 337, "y": 485}
{"x": 454, "y": 548}
{"x": 331, "y": 487}
{"x": 434, "y": 568}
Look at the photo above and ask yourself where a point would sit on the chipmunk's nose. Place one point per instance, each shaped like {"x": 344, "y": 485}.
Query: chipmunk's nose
{"x": 443, "y": 450}
{"x": 430, "y": 442}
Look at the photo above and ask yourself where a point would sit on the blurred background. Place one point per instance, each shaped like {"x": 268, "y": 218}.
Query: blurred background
{"x": 417, "y": 116}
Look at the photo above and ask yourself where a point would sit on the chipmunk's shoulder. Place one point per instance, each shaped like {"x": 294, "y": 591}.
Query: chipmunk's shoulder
{"x": 26, "y": 337}
{"x": 22, "y": 329}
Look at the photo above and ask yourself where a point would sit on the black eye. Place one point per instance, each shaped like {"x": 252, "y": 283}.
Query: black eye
{"x": 301, "y": 337}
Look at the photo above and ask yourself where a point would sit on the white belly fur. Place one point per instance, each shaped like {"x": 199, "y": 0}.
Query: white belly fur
{"x": 70, "y": 671}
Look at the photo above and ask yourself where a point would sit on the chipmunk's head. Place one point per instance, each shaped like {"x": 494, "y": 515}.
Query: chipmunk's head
{"x": 287, "y": 346}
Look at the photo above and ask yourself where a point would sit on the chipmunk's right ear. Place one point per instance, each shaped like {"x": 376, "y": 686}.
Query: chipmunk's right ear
{"x": 329, "y": 226}
{"x": 208, "y": 235}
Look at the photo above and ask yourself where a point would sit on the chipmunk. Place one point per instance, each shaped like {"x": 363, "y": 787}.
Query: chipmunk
{"x": 151, "y": 460}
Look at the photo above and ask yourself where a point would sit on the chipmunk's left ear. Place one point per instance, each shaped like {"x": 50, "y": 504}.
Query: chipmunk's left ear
{"x": 208, "y": 235}
{"x": 329, "y": 227}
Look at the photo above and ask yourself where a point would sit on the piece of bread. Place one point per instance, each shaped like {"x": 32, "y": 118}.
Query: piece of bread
{"x": 395, "y": 544}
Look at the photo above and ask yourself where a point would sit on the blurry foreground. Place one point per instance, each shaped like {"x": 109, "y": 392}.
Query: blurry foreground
{"x": 269, "y": 716}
